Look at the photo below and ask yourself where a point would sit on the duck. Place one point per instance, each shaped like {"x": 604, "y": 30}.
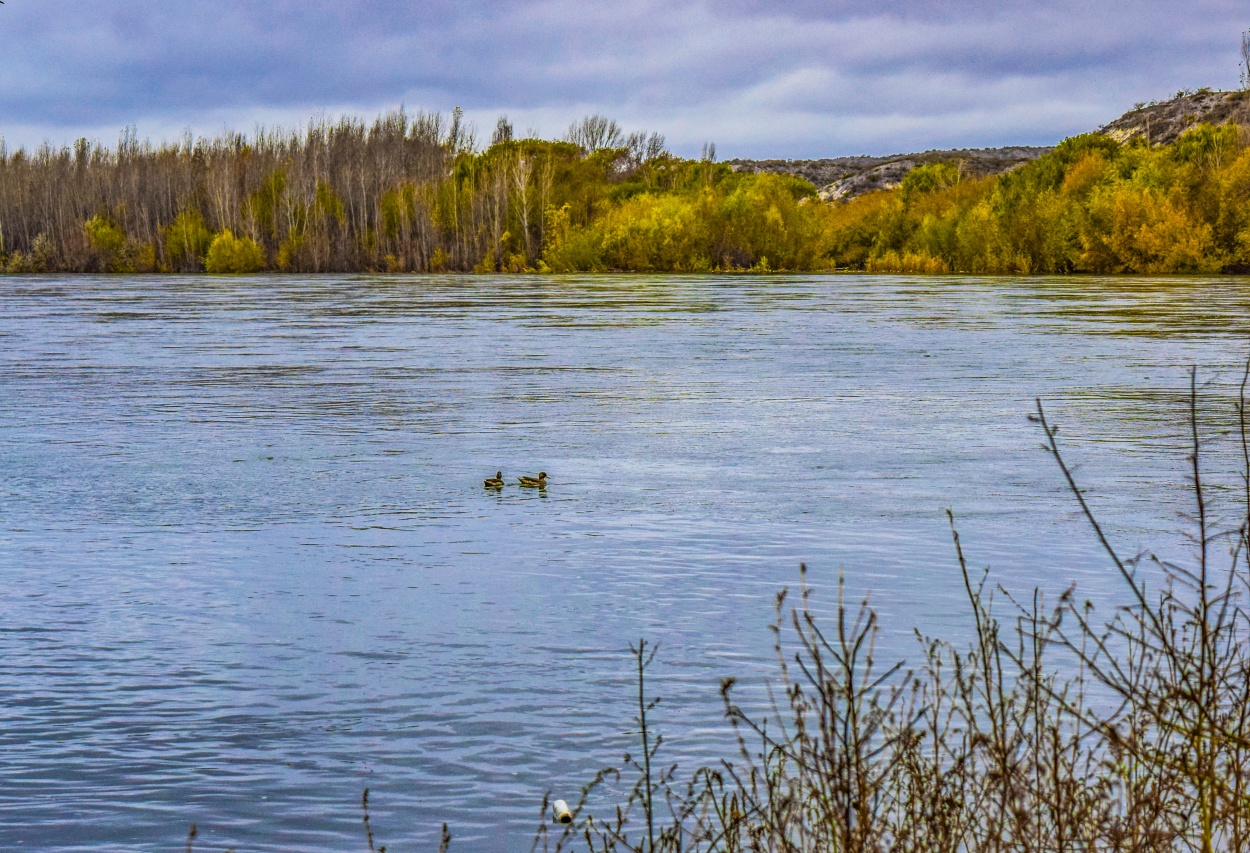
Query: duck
{"x": 534, "y": 482}
{"x": 495, "y": 482}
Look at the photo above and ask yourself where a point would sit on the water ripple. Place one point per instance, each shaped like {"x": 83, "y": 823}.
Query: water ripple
{"x": 248, "y": 567}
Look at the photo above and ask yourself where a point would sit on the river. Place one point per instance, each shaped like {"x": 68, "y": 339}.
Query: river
{"x": 248, "y": 567}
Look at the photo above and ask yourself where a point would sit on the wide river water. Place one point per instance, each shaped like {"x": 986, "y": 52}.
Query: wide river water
{"x": 248, "y": 567}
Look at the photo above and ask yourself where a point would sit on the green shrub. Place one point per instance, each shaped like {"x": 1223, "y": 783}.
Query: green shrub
{"x": 929, "y": 178}
{"x": 229, "y": 254}
{"x": 108, "y": 242}
{"x": 187, "y": 239}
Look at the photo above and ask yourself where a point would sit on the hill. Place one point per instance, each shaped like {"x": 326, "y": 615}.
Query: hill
{"x": 1159, "y": 123}
{"x": 841, "y": 178}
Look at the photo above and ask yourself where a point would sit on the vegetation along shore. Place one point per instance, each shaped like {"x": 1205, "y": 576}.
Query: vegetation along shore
{"x": 1164, "y": 189}
{"x": 1060, "y": 727}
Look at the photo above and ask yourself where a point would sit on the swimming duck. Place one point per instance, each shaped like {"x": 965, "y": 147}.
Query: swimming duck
{"x": 495, "y": 482}
{"x": 534, "y": 482}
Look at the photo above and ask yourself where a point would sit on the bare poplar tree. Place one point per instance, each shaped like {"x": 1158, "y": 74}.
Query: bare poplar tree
{"x": 644, "y": 148}
{"x": 1245, "y": 60}
{"x": 503, "y": 131}
{"x": 595, "y": 133}
{"x": 522, "y": 168}
{"x": 460, "y": 135}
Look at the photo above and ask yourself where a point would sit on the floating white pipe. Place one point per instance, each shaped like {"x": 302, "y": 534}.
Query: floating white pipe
{"x": 562, "y": 812}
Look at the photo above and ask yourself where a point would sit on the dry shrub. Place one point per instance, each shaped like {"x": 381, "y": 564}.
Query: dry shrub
{"x": 1055, "y": 730}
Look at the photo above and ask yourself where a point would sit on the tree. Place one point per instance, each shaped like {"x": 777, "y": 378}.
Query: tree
{"x": 230, "y": 254}
{"x": 595, "y": 133}
{"x": 187, "y": 239}
{"x": 460, "y": 135}
{"x": 644, "y": 148}
{"x": 108, "y": 241}
{"x": 1245, "y": 60}
{"x": 503, "y": 131}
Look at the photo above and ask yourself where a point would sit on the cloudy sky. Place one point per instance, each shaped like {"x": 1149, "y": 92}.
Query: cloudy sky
{"x": 760, "y": 78}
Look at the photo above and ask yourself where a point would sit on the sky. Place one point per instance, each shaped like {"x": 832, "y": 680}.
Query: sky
{"x": 759, "y": 78}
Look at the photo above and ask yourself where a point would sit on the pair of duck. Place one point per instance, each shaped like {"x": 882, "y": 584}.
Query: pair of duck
{"x": 496, "y": 482}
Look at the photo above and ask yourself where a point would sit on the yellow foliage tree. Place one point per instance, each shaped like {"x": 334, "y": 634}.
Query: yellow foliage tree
{"x": 229, "y": 254}
{"x": 108, "y": 242}
{"x": 187, "y": 239}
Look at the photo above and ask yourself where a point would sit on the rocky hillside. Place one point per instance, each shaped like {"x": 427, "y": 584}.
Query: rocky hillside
{"x": 847, "y": 177}
{"x": 841, "y": 178}
{"x": 1159, "y": 123}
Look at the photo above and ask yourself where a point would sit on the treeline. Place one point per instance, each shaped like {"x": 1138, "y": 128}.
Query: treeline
{"x": 418, "y": 194}
{"x": 402, "y": 194}
{"x": 1090, "y": 206}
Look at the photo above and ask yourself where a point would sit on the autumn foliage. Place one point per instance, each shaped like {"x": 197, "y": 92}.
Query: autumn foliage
{"x": 416, "y": 194}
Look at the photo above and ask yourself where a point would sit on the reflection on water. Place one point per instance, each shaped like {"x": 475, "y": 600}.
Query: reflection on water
{"x": 249, "y": 567}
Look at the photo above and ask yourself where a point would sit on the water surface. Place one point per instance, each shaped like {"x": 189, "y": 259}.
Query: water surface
{"x": 247, "y": 567}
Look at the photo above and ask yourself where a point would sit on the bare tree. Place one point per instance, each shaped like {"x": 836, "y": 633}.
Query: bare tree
{"x": 521, "y": 170}
{"x": 644, "y": 148}
{"x": 1245, "y": 60}
{"x": 503, "y": 131}
{"x": 595, "y": 133}
{"x": 461, "y": 136}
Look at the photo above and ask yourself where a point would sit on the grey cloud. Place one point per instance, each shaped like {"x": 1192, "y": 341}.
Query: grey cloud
{"x": 787, "y": 77}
